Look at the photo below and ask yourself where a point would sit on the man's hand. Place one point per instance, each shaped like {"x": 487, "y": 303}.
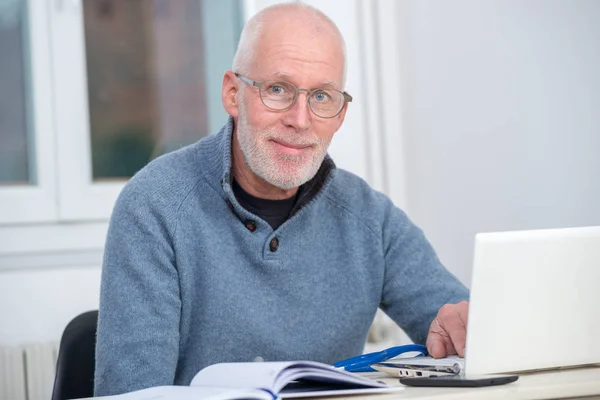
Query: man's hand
{"x": 448, "y": 331}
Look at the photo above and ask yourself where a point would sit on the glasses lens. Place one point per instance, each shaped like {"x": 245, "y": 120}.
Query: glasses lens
{"x": 326, "y": 103}
{"x": 277, "y": 95}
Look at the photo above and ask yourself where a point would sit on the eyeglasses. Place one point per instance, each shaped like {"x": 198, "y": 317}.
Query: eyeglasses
{"x": 282, "y": 95}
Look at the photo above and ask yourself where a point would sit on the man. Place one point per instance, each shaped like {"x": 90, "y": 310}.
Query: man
{"x": 251, "y": 245}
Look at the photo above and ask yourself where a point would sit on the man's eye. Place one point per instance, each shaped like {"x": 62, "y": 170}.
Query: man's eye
{"x": 321, "y": 96}
{"x": 276, "y": 89}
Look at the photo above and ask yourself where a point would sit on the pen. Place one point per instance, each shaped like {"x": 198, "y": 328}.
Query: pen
{"x": 363, "y": 362}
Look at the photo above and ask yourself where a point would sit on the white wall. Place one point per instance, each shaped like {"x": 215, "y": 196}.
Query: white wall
{"x": 37, "y": 304}
{"x": 48, "y": 275}
{"x": 501, "y": 118}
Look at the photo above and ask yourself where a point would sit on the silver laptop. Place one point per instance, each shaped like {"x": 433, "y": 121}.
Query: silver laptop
{"x": 535, "y": 301}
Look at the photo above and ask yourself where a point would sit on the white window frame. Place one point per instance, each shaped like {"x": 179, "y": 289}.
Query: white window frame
{"x": 65, "y": 190}
{"x": 79, "y": 197}
{"x": 36, "y": 202}
{"x": 62, "y": 220}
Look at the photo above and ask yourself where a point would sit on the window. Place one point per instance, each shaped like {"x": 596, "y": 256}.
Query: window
{"x": 95, "y": 89}
{"x": 27, "y": 184}
{"x": 15, "y": 154}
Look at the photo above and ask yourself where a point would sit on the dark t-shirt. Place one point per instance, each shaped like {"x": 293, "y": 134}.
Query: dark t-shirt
{"x": 275, "y": 212}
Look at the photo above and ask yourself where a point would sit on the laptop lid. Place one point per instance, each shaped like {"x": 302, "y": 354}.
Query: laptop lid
{"x": 535, "y": 300}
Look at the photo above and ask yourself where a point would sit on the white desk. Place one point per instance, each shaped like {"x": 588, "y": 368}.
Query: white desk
{"x": 559, "y": 384}
{"x": 563, "y": 384}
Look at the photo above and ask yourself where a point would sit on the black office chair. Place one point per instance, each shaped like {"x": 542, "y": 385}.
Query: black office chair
{"x": 76, "y": 358}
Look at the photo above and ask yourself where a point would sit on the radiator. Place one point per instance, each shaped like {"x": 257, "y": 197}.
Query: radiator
{"x": 27, "y": 372}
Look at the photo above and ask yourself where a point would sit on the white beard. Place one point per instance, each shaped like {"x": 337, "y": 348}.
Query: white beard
{"x": 280, "y": 170}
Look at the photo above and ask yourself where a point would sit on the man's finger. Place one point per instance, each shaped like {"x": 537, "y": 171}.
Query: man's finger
{"x": 453, "y": 319}
{"x": 436, "y": 345}
{"x": 439, "y": 343}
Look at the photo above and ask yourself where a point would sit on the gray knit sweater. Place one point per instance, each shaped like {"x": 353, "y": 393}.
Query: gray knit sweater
{"x": 187, "y": 281}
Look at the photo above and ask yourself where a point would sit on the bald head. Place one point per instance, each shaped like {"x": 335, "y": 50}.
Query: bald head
{"x": 280, "y": 135}
{"x": 294, "y": 25}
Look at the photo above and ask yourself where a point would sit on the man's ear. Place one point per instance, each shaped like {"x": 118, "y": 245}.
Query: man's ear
{"x": 229, "y": 94}
{"x": 340, "y": 117}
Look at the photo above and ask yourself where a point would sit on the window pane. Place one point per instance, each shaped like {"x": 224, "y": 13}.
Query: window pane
{"x": 16, "y": 165}
{"x": 154, "y": 76}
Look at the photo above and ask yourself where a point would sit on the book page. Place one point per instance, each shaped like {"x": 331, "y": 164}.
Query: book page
{"x": 274, "y": 376}
{"x": 190, "y": 393}
{"x": 338, "y": 392}
{"x": 329, "y": 377}
{"x": 239, "y": 375}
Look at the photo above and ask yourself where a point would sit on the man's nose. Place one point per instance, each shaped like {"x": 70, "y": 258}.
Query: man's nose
{"x": 299, "y": 115}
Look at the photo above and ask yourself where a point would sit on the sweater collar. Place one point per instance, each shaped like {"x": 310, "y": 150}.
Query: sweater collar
{"x": 215, "y": 158}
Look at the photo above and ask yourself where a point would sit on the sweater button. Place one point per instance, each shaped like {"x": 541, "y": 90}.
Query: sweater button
{"x": 274, "y": 244}
{"x": 229, "y": 204}
{"x": 250, "y": 225}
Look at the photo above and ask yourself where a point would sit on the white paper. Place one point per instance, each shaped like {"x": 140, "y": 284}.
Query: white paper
{"x": 190, "y": 393}
{"x": 340, "y": 392}
{"x": 275, "y": 375}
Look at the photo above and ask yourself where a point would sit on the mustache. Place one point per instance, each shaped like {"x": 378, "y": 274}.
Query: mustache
{"x": 293, "y": 139}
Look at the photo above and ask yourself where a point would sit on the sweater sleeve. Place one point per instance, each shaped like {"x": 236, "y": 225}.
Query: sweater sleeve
{"x": 138, "y": 324}
{"x": 416, "y": 284}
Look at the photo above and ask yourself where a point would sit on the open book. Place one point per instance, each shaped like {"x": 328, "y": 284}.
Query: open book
{"x": 264, "y": 381}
